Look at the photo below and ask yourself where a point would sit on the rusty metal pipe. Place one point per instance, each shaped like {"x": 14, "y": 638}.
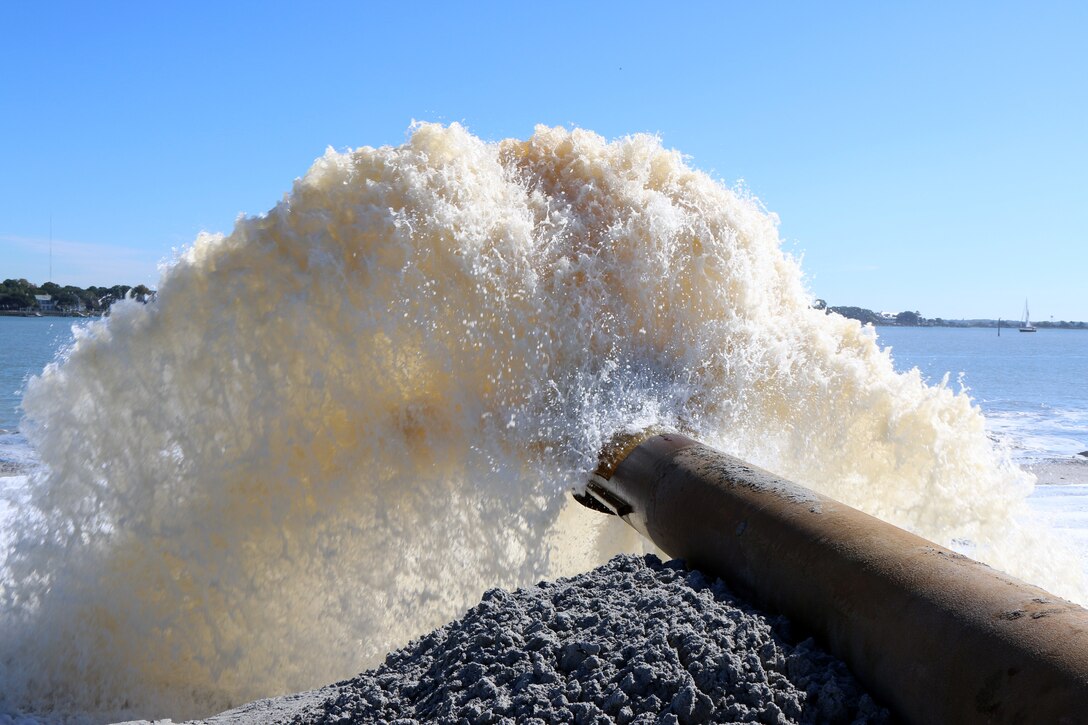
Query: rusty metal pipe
{"x": 938, "y": 637}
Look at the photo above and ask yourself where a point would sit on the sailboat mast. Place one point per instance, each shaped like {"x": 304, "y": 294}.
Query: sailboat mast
{"x": 1026, "y": 325}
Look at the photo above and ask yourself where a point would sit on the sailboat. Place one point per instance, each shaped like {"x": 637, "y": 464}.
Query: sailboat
{"x": 1026, "y": 326}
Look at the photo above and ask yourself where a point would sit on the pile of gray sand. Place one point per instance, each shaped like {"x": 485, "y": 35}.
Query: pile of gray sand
{"x": 634, "y": 641}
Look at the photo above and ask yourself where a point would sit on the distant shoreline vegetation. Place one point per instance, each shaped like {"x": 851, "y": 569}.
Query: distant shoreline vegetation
{"x": 20, "y": 297}
{"x": 915, "y": 319}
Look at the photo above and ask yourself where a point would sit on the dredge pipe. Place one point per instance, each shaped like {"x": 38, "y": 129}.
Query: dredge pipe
{"x": 938, "y": 637}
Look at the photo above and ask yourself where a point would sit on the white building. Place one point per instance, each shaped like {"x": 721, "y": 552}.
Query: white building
{"x": 45, "y": 303}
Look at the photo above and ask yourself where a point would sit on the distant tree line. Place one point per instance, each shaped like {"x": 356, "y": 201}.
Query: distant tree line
{"x": 19, "y": 294}
{"x": 915, "y": 319}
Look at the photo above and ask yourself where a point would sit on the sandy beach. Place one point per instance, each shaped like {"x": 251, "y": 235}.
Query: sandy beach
{"x": 1060, "y": 472}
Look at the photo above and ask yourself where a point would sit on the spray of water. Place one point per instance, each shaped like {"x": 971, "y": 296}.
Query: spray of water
{"x": 337, "y": 425}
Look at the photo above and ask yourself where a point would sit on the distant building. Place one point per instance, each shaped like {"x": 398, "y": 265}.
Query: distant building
{"x": 45, "y": 303}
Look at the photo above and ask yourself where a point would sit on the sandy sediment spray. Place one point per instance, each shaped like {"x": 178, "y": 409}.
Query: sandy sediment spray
{"x": 338, "y": 425}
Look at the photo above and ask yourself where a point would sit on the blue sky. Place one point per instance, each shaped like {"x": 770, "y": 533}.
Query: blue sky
{"x": 923, "y": 156}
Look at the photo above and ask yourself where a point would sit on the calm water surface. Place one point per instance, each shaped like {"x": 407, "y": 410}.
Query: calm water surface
{"x": 1033, "y": 387}
{"x": 27, "y": 344}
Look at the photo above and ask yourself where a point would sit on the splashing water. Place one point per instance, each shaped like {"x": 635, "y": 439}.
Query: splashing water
{"x": 338, "y": 425}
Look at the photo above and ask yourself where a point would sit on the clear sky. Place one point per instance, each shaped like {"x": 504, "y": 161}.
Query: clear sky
{"x": 921, "y": 156}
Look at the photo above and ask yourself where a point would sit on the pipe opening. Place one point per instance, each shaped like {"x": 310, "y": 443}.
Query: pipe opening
{"x": 596, "y": 496}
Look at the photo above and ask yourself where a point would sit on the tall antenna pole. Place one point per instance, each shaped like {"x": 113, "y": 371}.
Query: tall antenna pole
{"x": 50, "y": 247}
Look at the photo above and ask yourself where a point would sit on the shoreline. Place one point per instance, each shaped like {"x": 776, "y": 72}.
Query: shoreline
{"x": 1070, "y": 471}
{"x": 50, "y": 313}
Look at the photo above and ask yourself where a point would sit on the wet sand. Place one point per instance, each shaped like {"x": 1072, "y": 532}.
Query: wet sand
{"x": 1060, "y": 472}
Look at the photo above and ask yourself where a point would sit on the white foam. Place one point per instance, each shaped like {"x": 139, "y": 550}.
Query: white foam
{"x": 1040, "y": 435}
{"x": 342, "y": 422}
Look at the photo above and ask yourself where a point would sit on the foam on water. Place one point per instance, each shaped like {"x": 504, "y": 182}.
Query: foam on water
{"x": 342, "y": 422}
{"x": 1040, "y": 435}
